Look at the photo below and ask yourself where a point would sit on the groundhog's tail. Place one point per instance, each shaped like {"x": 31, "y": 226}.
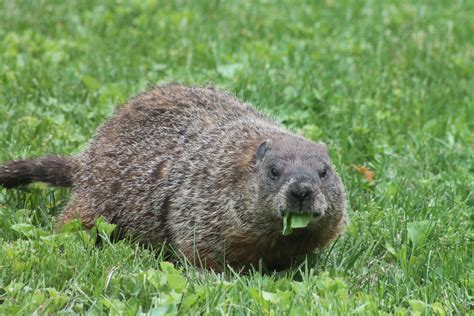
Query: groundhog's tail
{"x": 54, "y": 170}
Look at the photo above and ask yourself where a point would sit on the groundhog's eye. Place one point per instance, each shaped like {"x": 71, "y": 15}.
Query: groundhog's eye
{"x": 323, "y": 173}
{"x": 274, "y": 172}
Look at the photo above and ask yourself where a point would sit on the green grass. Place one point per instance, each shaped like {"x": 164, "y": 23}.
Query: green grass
{"x": 387, "y": 84}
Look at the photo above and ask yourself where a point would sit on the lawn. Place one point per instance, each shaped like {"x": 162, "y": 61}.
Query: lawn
{"x": 388, "y": 85}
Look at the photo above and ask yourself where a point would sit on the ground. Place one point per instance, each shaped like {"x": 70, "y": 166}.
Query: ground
{"x": 387, "y": 84}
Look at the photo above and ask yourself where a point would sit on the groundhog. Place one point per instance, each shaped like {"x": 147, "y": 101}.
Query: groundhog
{"x": 195, "y": 168}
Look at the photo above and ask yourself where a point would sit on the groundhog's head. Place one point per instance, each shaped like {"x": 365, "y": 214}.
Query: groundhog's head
{"x": 296, "y": 176}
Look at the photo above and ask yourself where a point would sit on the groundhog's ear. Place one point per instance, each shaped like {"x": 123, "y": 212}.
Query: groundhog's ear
{"x": 323, "y": 146}
{"x": 262, "y": 149}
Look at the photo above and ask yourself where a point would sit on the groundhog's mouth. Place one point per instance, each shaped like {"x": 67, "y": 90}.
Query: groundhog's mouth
{"x": 293, "y": 221}
{"x": 313, "y": 214}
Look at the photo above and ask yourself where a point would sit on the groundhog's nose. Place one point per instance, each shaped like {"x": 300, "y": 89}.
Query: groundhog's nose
{"x": 300, "y": 191}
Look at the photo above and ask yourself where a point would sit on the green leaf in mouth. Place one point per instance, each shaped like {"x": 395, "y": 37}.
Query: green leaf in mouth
{"x": 291, "y": 221}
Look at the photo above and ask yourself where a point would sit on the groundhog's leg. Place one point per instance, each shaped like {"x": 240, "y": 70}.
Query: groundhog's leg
{"x": 78, "y": 208}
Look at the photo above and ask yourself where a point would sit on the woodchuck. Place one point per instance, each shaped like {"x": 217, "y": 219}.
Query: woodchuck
{"x": 197, "y": 169}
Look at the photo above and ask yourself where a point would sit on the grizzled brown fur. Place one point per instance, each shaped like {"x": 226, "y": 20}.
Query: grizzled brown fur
{"x": 202, "y": 171}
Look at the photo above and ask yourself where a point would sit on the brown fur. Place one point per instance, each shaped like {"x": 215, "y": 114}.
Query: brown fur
{"x": 196, "y": 168}
{"x": 50, "y": 169}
